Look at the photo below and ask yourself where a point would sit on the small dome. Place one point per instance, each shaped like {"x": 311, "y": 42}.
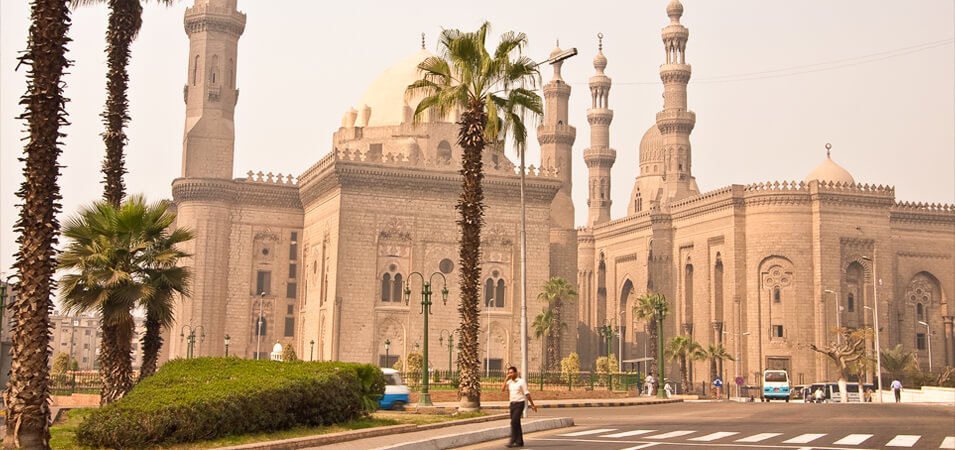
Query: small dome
{"x": 600, "y": 62}
{"x": 652, "y": 140}
{"x": 556, "y": 51}
{"x": 830, "y": 171}
{"x": 385, "y": 97}
{"x": 675, "y": 10}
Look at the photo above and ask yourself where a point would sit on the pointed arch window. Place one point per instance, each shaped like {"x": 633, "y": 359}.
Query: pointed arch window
{"x": 495, "y": 289}
{"x": 214, "y": 72}
{"x": 195, "y": 71}
{"x": 396, "y": 288}
{"x": 444, "y": 151}
{"x": 851, "y": 303}
{"x": 386, "y": 287}
{"x": 777, "y": 295}
{"x": 639, "y": 202}
{"x": 920, "y": 312}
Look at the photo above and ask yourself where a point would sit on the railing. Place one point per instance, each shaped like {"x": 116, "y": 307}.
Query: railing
{"x": 550, "y": 381}
{"x": 75, "y": 382}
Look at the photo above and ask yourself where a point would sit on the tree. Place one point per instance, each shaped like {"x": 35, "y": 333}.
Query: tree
{"x": 288, "y": 353}
{"x": 556, "y": 291}
{"x": 569, "y": 368}
{"x": 494, "y": 91}
{"x": 897, "y": 360}
{"x": 120, "y": 257}
{"x": 27, "y": 392}
{"x": 646, "y": 309}
{"x": 543, "y": 326}
{"x": 716, "y": 354}
{"x": 684, "y": 348}
{"x": 844, "y": 354}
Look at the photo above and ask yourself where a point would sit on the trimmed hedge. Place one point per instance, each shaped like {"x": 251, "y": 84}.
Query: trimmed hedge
{"x": 206, "y": 398}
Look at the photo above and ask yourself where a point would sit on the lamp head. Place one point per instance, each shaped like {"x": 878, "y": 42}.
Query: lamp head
{"x": 407, "y": 294}
{"x": 829, "y": 291}
{"x": 922, "y": 323}
{"x": 227, "y": 339}
{"x": 444, "y": 294}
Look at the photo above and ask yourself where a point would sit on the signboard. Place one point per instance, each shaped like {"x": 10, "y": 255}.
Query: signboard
{"x": 739, "y": 381}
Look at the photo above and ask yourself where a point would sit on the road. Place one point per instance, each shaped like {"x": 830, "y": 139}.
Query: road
{"x": 729, "y": 425}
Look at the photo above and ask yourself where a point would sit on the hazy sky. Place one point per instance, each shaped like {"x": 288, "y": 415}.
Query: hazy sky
{"x": 773, "y": 82}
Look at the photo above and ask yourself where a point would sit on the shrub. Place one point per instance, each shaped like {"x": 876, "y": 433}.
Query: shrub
{"x": 206, "y": 398}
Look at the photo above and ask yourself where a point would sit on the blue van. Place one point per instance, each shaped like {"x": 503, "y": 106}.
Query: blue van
{"x": 776, "y": 385}
{"x": 396, "y": 393}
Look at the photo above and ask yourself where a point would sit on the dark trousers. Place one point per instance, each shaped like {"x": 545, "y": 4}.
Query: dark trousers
{"x": 898, "y": 397}
{"x": 517, "y": 434}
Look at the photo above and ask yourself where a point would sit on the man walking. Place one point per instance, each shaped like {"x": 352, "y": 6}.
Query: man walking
{"x": 718, "y": 387}
{"x": 518, "y": 394}
{"x": 897, "y": 390}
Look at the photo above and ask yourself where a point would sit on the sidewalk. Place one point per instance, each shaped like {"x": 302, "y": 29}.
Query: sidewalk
{"x": 577, "y": 403}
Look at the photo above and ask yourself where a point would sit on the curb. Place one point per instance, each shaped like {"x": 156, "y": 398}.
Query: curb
{"x": 596, "y": 404}
{"x": 352, "y": 435}
{"x": 475, "y": 437}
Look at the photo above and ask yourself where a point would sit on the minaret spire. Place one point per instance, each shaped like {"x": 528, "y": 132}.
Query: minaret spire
{"x": 676, "y": 121}
{"x": 599, "y": 157}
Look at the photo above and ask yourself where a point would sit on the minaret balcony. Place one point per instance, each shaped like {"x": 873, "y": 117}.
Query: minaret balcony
{"x": 675, "y": 73}
{"x": 597, "y": 157}
{"x": 599, "y": 116}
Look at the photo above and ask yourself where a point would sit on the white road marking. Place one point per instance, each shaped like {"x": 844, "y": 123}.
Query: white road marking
{"x": 853, "y": 439}
{"x": 715, "y": 436}
{"x": 758, "y": 437}
{"x": 804, "y": 438}
{"x": 638, "y": 447}
{"x": 671, "y": 434}
{"x": 627, "y": 433}
{"x": 904, "y": 440}
{"x": 948, "y": 442}
{"x": 586, "y": 432}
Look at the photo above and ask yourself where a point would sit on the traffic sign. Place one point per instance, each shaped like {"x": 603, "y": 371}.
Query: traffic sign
{"x": 739, "y": 381}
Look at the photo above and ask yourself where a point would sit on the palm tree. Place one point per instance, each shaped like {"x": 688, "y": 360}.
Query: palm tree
{"x": 646, "y": 308}
{"x": 684, "y": 348}
{"x": 122, "y": 256}
{"x": 556, "y": 291}
{"x": 27, "y": 394}
{"x": 716, "y": 354}
{"x": 897, "y": 360}
{"x": 494, "y": 93}
{"x": 544, "y": 325}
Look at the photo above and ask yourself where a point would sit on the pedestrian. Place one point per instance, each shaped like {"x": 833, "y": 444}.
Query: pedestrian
{"x": 807, "y": 394}
{"x": 867, "y": 395}
{"x": 718, "y": 387}
{"x": 819, "y": 395}
{"x": 649, "y": 383}
{"x": 667, "y": 388}
{"x": 897, "y": 390}
{"x": 519, "y": 395}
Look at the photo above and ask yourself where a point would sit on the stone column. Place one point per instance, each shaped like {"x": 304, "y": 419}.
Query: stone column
{"x": 949, "y": 339}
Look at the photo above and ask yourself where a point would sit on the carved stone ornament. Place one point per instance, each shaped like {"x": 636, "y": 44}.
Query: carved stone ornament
{"x": 921, "y": 290}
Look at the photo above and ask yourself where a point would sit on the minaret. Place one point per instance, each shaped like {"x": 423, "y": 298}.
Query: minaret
{"x": 214, "y": 28}
{"x": 676, "y": 121}
{"x": 599, "y": 157}
{"x": 556, "y": 138}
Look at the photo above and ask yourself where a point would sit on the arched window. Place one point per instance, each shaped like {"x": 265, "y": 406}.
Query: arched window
{"x": 386, "y": 287}
{"x": 231, "y": 73}
{"x": 920, "y": 312}
{"x": 488, "y": 292}
{"x": 195, "y": 71}
{"x": 444, "y": 151}
{"x": 851, "y": 303}
{"x": 718, "y": 290}
{"x": 214, "y": 72}
{"x": 499, "y": 294}
{"x": 396, "y": 288}
{"x": 777, "y": 295}
{"x": 639, "y": 202}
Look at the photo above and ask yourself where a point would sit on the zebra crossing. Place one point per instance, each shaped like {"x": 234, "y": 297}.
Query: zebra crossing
{"x": 805, "y": 440}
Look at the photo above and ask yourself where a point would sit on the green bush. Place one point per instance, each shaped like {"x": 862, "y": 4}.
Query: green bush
{"x": 206, "y": 398}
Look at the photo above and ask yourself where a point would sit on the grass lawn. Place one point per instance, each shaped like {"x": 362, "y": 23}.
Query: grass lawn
{"x": 64, "y": 432}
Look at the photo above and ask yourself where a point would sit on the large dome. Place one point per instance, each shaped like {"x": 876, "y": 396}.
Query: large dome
{"x": 651, "y": 143}
{"x": 386, "y": 96}
{"x": 830, "y": 171}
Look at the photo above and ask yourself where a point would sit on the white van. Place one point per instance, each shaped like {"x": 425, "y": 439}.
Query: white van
{"x": 776, "y": 385}
{"x": 396, "y": 393}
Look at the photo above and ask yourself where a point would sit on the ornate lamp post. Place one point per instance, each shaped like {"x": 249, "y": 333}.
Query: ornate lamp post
{"x": 607, "y": 332}
{"x": 387, "y": 351}
{"x": 258, "y": 325}
{"x": 875, "y": 312}
{"x": 191, "y": 337}
{"x": 450, "y": 345}
{"x": 661, "y": 312}
{"x": 426, "y": 311}
{"x": 928, "y": 336}
{"x": 227, "y": 340}
{"x": 737, "y": 337}
{"x": 311, "y": 349}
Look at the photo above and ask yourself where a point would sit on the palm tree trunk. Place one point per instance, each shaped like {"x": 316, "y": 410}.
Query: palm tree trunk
{"x": 684, "y": 382}
{"x": 471, "y": 207}
{"x": 555, "y": 348}
{"x": 125, "y": 20}
{"x": 27, "y": 394}
{"x": 652, "y": 334}
{"x": 115, "y": 362}
{"x": 151, "y": 343}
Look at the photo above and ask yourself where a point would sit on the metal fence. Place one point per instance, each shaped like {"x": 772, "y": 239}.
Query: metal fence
{"x": 75, "y": 382}
{"x": 552, "y": 381}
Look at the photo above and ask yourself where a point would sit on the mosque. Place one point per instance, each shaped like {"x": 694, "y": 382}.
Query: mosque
{"x": 317, "y": 260}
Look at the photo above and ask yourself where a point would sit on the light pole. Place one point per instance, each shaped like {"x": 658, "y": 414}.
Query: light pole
{"x": 487, "y": 347}
{"x": 387, "y": 351}
{"x": 661, "y": 312}
{"x": 426, "y": 311}
{"x": 928, "y": 335}
{"x": 258, "y": 325}
{"x": 450, "y": 346}
{"x": 838, "y": 314}
{"x": 227, "y": 340}
{"x": 738, "y": 337}
{"x": 552, "y": 60}
{"x": 875, "y": 313}
{"x": 311, "y": 350}
{"x": 191, "y": 337}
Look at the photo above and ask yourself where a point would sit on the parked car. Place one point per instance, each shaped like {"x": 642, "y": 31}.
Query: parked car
{"x": 396, "y": 393}
{"x": 776, "y": 385}
{"x": 831, "y": 392}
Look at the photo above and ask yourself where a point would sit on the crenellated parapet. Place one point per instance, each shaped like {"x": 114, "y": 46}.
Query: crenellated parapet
{"x": 923, "y": 207}
{"x": 270, "y": 178}
{"x": 923, "y": 213}
{"x": 207, "y": 17}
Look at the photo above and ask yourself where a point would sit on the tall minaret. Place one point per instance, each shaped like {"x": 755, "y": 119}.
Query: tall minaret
{"x": 556, "y": 139}
{"x": 599, "y": 157}
{"x": 676, "y": 121}
{"x": 210, "y": 93}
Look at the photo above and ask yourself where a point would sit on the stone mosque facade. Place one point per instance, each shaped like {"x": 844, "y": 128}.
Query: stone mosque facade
{"x": 318, "y": 260}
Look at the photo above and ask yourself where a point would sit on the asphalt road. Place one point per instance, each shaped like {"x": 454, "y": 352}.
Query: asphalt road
{"x": 728, "y": 425}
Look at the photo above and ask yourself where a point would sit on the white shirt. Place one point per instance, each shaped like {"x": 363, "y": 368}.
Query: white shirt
{"x": 896, "y": 384}
{"x": 517, "y": 389}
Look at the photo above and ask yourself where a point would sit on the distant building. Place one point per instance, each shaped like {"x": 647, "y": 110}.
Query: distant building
{"x": 80, "y": 337}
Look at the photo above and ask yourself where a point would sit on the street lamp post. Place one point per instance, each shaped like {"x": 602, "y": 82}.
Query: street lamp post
{"x": 227, "y": 340}
{"x": 426, "y": 311}
{"x": 191, "y": 337}
{"x": 387, "y": 351}
{"x": 928, "y": 335}
{"x": 258, "y": 325}
{"x": 875, "y": 312}
{"x": 311, "y": 350}
{"x": 738, "y": 338}
{"x": 838, "y": 314}
{"x": 661, "y": 311}
{"x": 450, "y": 346}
